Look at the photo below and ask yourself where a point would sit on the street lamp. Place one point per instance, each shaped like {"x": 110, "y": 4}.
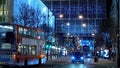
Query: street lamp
{"x": 68, "y": 24}
{"x": 44, "y": 9}
{"x": 84, "y": 25}
{"x": 61, "y": 15}
{"x": 68, "y": 34}
{"x": 93, "y": 34}
{"x": 80, "y": 17}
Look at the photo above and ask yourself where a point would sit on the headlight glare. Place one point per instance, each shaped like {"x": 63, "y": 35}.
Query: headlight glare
{"x": 82, "y": 58}
{"x": 73, "y": 57}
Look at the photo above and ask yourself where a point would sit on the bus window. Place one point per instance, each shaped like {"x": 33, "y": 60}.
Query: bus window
{"x": 42, "y": 35}
{"x": 2, "y": 37}
{"x": 26, "y": 50}
{"x": 10, "y": 37}
{"x": 20, "y": 50}
{"x": 38, "y": 34}
{"x": 29, "y": 33}
{"x": 32, "y": 50}
{"x": 33, "y": 33}
{"x": 25, "y": 31}
{"x": 20, "y": 30}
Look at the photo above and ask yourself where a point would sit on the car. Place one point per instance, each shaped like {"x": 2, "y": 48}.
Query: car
{"x": 87, "y": 54}
{"x": 77, "y": 57}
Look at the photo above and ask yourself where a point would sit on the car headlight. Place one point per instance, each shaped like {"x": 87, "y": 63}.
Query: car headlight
{"x": 89, "y": 55}
{"x": 73, "y": 57}
{"x": 81, "y": 58}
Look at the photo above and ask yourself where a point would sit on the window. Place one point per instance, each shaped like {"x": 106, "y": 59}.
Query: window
{"x": 33, "y": 33}
{"x": 20, "y": 50}
{"x": 42, "y": 35}
{"x": 29, "y": 33}
{"x": 25, "y": 31}
{"x": 3, "y": 10}
{"x": 26, "y": 50}
{"x": 20, "y": 30}
{"x": 33, "y": 50}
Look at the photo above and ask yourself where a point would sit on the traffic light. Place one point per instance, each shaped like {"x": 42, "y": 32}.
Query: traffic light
{"x": 48, "y": 46}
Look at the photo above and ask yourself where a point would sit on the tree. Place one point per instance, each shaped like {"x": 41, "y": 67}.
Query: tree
{"x": 32, "y": 17}
{"x": 105, "y": 31}
{"x": 27, "y": 16}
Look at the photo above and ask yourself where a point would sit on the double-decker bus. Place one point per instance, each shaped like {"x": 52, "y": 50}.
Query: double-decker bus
{"x": 20, "y": 45}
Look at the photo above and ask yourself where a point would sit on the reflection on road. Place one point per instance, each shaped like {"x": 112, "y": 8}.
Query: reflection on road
{"x": 65, "y": 62}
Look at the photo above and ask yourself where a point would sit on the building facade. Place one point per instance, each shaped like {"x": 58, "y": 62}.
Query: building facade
{"x": 27, "y": 13}
{"x": 115, "y": 19}
{"x": 76, "y": 18}
{"x": 93, "y": 13}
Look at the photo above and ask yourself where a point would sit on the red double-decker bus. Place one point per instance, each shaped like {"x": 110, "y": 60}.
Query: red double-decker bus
{"x": 21, "y": 45}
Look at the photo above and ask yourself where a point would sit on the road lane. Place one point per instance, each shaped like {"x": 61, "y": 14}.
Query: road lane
{"x": 65, "y": 62}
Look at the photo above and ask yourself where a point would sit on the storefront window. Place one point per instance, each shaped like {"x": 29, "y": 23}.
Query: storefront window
{"x": 3, "y": 10}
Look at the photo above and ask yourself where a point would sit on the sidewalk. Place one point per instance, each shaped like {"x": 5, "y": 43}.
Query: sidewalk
{"x": 58, "y": 60}
{"x": 102, "y": 61}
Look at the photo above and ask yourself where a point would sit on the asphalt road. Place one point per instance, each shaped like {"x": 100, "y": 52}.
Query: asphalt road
{"x": 65, "y": 62}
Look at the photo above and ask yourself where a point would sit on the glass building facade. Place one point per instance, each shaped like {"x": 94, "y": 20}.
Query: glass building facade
{"x": 115, "y": 19}
{"x": 115, "y": 9}
{"x": 3, "y": 10}
{"x": 93, "y": 12}
{"x": 33, "y": 14}
{"x": 27, "y": 13}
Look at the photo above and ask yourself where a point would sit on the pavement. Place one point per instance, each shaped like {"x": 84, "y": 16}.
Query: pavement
{"x": 59, "y": 60}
